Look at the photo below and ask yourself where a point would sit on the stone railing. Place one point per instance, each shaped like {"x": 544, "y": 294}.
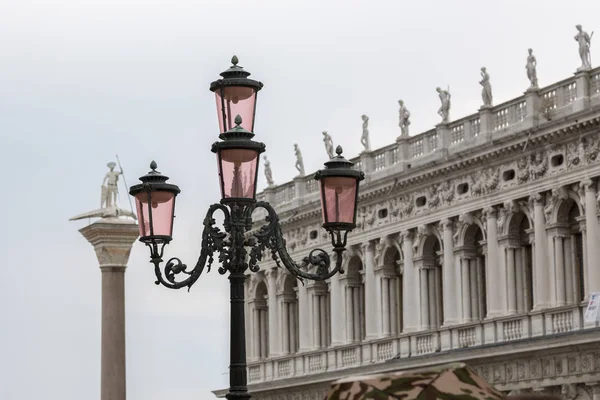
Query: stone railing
{"x": 514, "y": 117}
{"x": 497, "y": 330}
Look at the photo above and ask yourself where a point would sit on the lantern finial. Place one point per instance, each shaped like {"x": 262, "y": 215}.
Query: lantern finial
{"x": 339, "y": 150}
{"x": 153, "y": 165}
{"x": 234, "y": 60}
{"x": 238, "y": 120}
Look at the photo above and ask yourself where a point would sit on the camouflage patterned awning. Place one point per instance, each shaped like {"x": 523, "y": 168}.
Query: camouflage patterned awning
{"x": 452, "y": 381}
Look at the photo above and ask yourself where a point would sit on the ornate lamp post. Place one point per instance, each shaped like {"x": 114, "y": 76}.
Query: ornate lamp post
{"x": 238, "y": 248}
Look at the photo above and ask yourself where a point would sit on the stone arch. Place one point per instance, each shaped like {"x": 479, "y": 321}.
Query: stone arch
{"x": 354, "y": 297}
{"x": 260, "y": 320}
{"x": 431, "y": 282}
{"x": 473, "y": 274}
{"x": 519, "y": 263}
{"x": 390, "y": 286}
{"x": 424, "y": 238}
{"x": 516, "y": 217}
{"x": 567, "y": 245}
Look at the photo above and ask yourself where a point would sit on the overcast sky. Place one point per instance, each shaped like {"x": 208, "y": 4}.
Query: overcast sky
{"x": 84, "y": 80}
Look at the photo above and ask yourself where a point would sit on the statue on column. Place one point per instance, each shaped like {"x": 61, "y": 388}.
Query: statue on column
{"x": 108, "y": 198}
{"x": 268, "y": 172}
{"x": 328, "y": 144}
{"x": 404, "y": 118}
{"x": 364, "y": 140}
{"x": 444, "y": 110}
{"x": 110, "y": 191}
{"x": 299, "y": 160}
{"x": 531, "y": 69}
{"x": 486, "y": 91}
{"x": 585, "y": 42}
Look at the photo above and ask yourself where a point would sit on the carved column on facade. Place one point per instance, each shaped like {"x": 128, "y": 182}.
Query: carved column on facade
{"x": 274, "y": 342}
{"x": 337, "y": 311}
{"x": 592, "y": 237}
{"x": 305, "y": 340}
{"x": 409, "y": 281}
{"x": 542, "y": 275}
{"x": 495, "y": 272}
{"x": 372, "y": 315}
{"x": 449, "y": 273}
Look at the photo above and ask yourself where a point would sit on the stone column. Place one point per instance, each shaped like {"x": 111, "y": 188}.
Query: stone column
{"x": 592, "y": 237}
{"x": 449, "y": 273}
{"x": 385, "y": 301}
{"x": 466, "y": 293}
{"x": 425, "y": 308}
{"x": 409, "y": 281}
{"x": 304, "y": 341}
{"x": 274, "y": 343}
{"x": 337, "y": 316}
{"x": 112, "y": 239}
{"x": 371, "y": 298}
{"x": 495, "y": 272}
{"x": 511, "y": 280}
{"x": 560, "y": 270}
{"x": 542, "y": 276}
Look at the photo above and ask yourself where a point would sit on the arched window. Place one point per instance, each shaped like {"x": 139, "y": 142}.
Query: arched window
{"x": 391, "y": 293}
{"x": 289, "y": 315}
{"x": 567, "y": 242}
{"x": 473, "y": 277}
{"x": 261, "y": 322}
{"x": 354, "y": 297}
{"x": 430, "y": 284}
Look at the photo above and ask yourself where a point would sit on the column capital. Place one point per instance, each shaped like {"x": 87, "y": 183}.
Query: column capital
{"x": 537, "y": 199}
{"x": 594, "y": 386}
{"x": 588, "y": 185}
{"x": 367, "y": 246}
{"x": 271, "y": 273}
{"x": 489, "y": 212}
{"x": 447, "y": 224}
{"x": 112, "y": 239}
{"x": 407, "y": 235}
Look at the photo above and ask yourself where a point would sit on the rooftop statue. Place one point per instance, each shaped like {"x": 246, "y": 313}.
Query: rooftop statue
{"x": 108, "y": 197}
{"x": 531, "y": 69}
{"x": 268, "y": 172}
{"x": 486, "y": 91}
{"x": 444, "y": 110}
{"x": 364, "y": 140}
{"x": 299, "y": 161}
{"x": 328, "y": 144}
{"x": 403, "y": 118}
{"x": 585, "y": 42}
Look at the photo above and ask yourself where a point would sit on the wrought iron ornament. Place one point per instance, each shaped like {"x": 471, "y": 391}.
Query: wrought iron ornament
{"x": 236, "y": 252}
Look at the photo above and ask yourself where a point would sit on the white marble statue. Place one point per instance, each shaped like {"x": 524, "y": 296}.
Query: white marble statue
{"x": 108, "y": 199}
{"x": 486, "y": 91}
{"x": 299, "y": 160}
{"x": 403, "y": 118}
{"x": 110, "y": 191}
{"x": 584, "y": 41}
{"x": 328, "y": 144}
{"x": 268, "y": 172}
{"x": 531, "y": 68}
{"x": 444, "y": 110}
{"x": 364, "y": 139}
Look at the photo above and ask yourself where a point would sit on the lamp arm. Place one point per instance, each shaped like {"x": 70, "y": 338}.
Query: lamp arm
{"x": 270, "y": 236}
{"x": 213, "y": 240}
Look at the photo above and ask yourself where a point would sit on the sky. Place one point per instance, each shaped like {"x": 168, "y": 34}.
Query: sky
{"x": 82, "y": 81}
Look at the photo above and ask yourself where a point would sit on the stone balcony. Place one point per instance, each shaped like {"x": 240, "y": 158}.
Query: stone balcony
{"x": 520, "y": 116}
{"x": 500, "y": 330}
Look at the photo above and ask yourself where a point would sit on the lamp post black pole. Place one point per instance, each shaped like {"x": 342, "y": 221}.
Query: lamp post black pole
{"x": 240, "y": 247}
{"x": 238, "y": 379}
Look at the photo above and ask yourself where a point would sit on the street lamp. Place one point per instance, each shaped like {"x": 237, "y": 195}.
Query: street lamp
{"x": 238, "y": 247}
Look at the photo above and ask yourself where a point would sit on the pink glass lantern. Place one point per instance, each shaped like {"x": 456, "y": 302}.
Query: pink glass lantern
{"x": 235, "y": 95}
{"x": 237, "y": 172}
{"x": 155, "y": 204}
{"x": 339, "y": 193}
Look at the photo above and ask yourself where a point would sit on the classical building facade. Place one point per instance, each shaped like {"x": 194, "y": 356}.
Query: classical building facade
{"x": 477, "y": 241}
